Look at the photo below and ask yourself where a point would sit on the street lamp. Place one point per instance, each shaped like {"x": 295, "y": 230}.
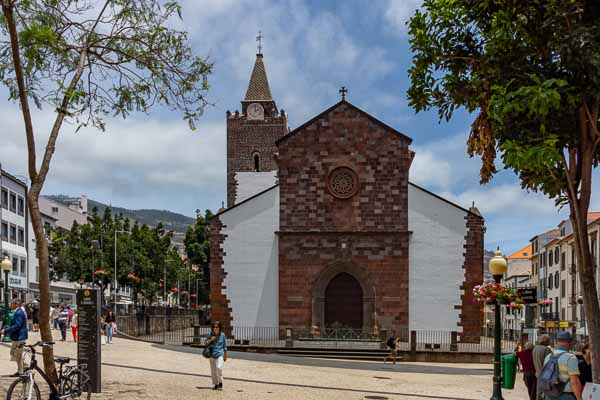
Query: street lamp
{"x": 497, "y": 268}
{"x": 6, "y": 267}
{"x": 583, "y": 318}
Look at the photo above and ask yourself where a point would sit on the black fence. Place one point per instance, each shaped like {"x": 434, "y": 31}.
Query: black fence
{"x": 185, "y": 329}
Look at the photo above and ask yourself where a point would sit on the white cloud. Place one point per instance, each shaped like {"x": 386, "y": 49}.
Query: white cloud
{"x": 398, "y": 13}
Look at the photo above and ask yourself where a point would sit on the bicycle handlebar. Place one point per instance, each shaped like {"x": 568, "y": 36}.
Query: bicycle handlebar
{"x": 38, "y": 344}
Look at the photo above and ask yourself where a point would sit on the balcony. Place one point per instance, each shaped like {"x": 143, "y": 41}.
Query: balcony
{"x": 550, "y": 316}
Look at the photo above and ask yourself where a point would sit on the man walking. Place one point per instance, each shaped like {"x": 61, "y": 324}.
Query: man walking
{"x": 540, "y": 351}
{"x": 567, "y": 367}
{"x": 63, "y": 316}
{"x": 526, "y": 358}
{"x": 17, "y": 331}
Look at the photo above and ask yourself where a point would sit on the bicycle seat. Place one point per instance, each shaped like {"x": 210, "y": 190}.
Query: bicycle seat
{"x": 62, "y": 360}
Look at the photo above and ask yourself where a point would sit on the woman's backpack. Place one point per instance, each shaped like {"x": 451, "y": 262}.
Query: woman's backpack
{"x": 391, "y": 342}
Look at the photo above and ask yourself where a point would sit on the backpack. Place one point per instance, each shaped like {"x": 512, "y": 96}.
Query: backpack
{"x": 549, "y": 382}
{"x": 391, "y": 342}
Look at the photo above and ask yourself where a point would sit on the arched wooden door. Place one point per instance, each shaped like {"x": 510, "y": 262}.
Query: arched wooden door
{"x": 344, "y": 302}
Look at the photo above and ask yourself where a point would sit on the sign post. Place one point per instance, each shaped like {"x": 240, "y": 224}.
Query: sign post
{"x": 88, "y": 335}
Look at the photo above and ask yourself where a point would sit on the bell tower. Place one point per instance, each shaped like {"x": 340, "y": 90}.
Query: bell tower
{"x": 251, "y": 136}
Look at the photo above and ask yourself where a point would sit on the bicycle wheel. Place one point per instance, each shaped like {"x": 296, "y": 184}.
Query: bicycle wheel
{"x": 20, "y": 389}
{"x": 76, "y": 385}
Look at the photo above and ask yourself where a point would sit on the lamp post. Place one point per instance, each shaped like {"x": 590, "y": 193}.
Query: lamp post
{"x": 6, "y": 267}
{"x": 522, "y": 331}
{"x": 583, "y": 318}
{"x": 116, "y": 282}
{"x": 497, "y": 268}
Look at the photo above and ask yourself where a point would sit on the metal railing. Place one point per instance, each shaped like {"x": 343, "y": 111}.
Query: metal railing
{"x": 550, "y": 316}
{"x": 174, "y": 329}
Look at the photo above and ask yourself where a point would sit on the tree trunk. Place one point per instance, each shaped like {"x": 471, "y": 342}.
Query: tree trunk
{"x": 41, "y": 245}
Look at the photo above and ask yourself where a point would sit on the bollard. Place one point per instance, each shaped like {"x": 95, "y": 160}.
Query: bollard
{"x": 289, "y": 338}
{"x": 453, "y": 341}
{"x": 383, "y": 336}
{"x": 413, "y": 342}
{"x": 197, "y": 340}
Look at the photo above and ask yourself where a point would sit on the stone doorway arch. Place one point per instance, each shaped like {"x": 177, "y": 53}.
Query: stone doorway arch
{"x": 323, "y": 281}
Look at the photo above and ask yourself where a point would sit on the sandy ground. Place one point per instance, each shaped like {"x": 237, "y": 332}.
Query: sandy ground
{"x": 135, "y": 370}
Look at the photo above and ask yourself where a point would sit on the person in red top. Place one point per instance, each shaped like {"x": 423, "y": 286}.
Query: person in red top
{"x": 526, "y": 359}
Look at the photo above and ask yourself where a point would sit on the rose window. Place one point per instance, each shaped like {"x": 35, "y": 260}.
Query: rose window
{"x": 343, "y": 182}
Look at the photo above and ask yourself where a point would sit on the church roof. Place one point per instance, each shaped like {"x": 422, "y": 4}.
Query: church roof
{"x": 258, "y": 87}
{"x": 352, "y": 106}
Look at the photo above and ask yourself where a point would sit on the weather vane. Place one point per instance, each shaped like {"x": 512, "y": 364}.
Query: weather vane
{"x": 259, "y": 40}
{"x": 343, "y": 91}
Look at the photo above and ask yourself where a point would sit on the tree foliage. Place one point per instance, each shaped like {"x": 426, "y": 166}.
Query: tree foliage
{"x": 530, "y": 70}
{"x": 198, "y": 250}
{"x": 145, "y": 256}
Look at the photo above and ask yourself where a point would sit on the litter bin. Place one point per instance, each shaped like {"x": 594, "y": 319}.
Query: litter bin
{"x": 509, "y": 371}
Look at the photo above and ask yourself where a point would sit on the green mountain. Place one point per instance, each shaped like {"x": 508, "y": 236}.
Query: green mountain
{"x": 172, "y": 221}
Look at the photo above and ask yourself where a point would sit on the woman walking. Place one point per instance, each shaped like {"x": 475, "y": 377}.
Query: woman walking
{"x": 74, "y": 326}
{"x": 110, "y": 322}
{"x": 218, "y": 354}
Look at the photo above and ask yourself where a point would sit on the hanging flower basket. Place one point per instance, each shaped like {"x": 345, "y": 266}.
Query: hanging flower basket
{"x": 100, "y": 272}
{"x": 134, "y": 278}
{"x": 495, "y": 293}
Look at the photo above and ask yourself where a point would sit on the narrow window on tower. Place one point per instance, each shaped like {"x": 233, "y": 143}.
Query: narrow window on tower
{"x": 256, "y": 163}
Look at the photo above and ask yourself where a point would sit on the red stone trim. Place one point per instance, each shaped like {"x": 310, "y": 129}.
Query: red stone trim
{"x": 220, "y": 309}
{"x": 471, "y": 315}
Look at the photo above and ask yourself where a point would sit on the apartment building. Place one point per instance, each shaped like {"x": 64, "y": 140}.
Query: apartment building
{"x": 560, "y": 302}
{"x": 56, "y": 214}
{"x": 14, "y": 234}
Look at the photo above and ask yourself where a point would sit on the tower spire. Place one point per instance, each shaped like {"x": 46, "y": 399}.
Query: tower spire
{"x": 258, "y": 87}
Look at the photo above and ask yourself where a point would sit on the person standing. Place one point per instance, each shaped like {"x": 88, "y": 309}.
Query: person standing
{"x": 218, "y": 355}
{"x": 36, "y": 316}
{"x": 585, "y": 365}
{"x": 568, "y": 369}
{"x": 54, "y": 317}
{"x": 63, "y": 316}
{"x": 17, "y": 331}
{"x": 70, "y": 318}
{"x": 110, "y": 322}
{"x": 74, "y": 322}
{"x": 526, "y": 358}
{"x": 540, "y": 352}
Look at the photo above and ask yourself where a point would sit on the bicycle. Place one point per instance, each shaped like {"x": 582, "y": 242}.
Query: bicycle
{"x": 73, "y": 380}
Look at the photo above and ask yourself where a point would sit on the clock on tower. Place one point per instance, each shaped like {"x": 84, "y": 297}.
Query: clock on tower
{"x": 256, "y": 112}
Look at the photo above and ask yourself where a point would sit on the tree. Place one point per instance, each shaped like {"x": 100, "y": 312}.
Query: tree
{"x": 530, "y": 69}
{"x": 86, "y": 60}
{"x": 197, "y": 249}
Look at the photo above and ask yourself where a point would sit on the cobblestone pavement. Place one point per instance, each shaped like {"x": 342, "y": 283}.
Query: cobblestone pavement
{"x": 135, "y": 370}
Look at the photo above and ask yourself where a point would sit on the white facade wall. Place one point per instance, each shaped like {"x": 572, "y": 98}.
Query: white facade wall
{"x": 63, "y": 214}
{"x": 251, "y": 183}
{"x": 436, "y": 260}
{"x": 251, "y": 260}
{"x": 13, "y": 219}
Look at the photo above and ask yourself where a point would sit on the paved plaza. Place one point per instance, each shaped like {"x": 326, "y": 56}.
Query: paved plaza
{"x": 136, "y": 370}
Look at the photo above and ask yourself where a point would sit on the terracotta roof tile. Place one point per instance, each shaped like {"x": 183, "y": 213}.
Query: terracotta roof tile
{"x": 523, "y": 253}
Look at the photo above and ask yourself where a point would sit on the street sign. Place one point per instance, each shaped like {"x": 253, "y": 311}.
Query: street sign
{"x": 88, "y": 335}
{"x": 529, "y": 295}
{"x": 564, "y": 324}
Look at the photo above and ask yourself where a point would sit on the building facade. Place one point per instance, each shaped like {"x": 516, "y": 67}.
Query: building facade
{"x": 324, "y": 229}
{"x": 14, "y": 231}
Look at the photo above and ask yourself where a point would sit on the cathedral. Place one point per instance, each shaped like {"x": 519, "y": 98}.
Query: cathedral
{"x": 323, "y": 228}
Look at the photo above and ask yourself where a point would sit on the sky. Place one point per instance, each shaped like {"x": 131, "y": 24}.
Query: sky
{"x": 311, "y": 48}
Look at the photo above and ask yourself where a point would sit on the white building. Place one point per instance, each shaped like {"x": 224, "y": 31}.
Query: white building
{"x": 56, "y": 214}
{"x": 14, "y": 218}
